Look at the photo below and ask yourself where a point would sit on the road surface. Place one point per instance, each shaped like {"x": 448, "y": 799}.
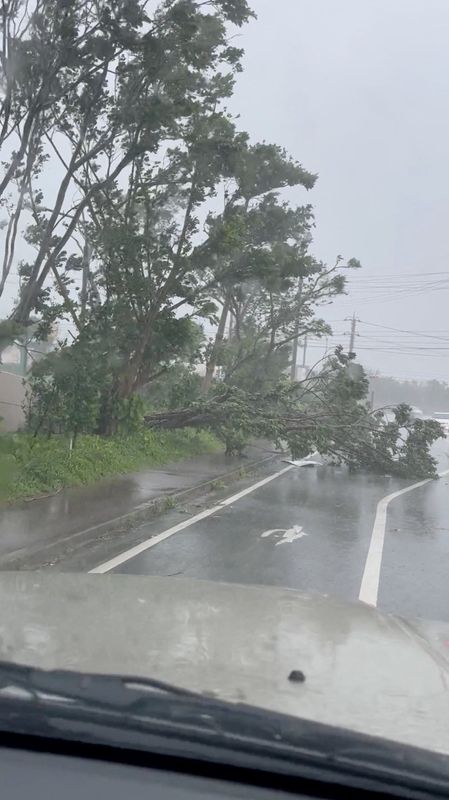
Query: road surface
{"x": 379, "y": 539}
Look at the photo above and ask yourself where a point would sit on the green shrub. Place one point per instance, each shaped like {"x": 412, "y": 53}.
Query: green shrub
{"x": 31, "y": 466}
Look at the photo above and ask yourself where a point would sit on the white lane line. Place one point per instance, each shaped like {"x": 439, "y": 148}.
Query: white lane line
{"x": 140, "y": 548}
{"x": 371, "y": 575}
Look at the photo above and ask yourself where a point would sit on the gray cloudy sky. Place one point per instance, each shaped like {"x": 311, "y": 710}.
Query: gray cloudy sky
{"x": 358, "y": 91}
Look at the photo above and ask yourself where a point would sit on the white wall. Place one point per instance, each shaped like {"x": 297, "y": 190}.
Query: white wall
{"x": 12, "y": 395}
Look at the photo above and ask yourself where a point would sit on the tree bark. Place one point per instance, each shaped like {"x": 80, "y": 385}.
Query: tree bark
{"x": 219, "y": 336}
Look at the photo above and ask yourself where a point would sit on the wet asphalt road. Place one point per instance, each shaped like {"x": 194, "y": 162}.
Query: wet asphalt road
{"x": 329, "y": 517}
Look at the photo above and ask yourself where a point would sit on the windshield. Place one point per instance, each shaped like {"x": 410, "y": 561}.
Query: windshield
{"x": 223, "y": 311}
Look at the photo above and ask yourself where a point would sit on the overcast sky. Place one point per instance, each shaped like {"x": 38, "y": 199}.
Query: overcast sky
{"x": 358, "y": 91}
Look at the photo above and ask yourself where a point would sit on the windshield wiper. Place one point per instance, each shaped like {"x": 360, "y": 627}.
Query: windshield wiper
{"x": 150, "y": 715}
{"x": 128, "y": 703}
{"x": 108, "y": 691}
{"x": 125, "y": 699}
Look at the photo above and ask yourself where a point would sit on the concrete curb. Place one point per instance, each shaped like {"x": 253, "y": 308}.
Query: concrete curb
{"x": 136, "y": 517}
{"x": 158, "y": 505}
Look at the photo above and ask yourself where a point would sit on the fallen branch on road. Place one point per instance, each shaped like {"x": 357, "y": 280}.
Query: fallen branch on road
{"x": 345, "y": 429}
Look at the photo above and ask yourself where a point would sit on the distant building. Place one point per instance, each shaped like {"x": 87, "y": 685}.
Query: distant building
{"x": 15, "y": 363}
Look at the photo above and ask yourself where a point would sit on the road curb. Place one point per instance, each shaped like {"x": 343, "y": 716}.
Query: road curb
{"x": 168, "y": 501}
{"x": 136, "y": 517}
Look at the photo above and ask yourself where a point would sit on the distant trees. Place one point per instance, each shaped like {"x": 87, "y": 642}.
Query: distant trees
{"x": 429, "y": 396}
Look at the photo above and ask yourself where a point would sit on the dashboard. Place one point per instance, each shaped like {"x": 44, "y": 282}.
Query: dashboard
{"x": 29, "y": 775}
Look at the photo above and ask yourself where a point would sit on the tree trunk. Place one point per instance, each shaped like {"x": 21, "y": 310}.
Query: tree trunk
{"x": 219, "y": 336}
{"x": 85, "y": 278}
{"x": 295, "y": 340}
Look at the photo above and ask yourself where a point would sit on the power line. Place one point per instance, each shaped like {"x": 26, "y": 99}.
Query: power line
{"x": 402, "y": 330}
{"x": 399, "y": 275}
{"x": 427, "y": 330}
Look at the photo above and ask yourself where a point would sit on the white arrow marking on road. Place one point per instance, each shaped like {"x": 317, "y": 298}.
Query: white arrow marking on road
{"x": 290, "y": 534}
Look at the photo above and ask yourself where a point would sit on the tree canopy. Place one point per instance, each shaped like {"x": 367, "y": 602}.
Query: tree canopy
{"x": 164, "y": 218}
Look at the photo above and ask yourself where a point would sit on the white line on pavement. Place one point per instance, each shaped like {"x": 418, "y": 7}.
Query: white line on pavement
{"x": 140, "y": 548}
{"x": 371, "y": 575}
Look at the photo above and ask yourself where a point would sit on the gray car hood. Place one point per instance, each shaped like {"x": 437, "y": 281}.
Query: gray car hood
{"x": 364, "y": 671}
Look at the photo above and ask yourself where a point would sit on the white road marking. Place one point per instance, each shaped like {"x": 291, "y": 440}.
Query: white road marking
{"x": 140, "y": 548}
{"x": 371, "y": 575}
{"x": 290, "y": 534}
{"x": 304, "y": 463}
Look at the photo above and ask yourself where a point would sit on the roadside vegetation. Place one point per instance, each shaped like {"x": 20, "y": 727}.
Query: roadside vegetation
{"x": 30, "y": 466}
{"x": 166, "y": 218}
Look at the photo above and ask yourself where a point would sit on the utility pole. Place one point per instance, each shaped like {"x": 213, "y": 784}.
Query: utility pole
{"x": 295, "y": 340}
{"x": 354, "y": 322}
{"x": 304, "y": 352}
{"x": 294, "y": 354}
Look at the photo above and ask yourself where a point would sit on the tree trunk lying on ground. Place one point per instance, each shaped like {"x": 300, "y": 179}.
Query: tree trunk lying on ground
{"x": 181, "y": 418}
{"x": 355, "y": 436}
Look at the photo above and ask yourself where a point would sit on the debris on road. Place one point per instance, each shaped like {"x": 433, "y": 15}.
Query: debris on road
{"x": 308, "y": 461}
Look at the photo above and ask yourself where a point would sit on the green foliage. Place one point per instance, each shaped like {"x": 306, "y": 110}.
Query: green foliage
{"x": 217, "y": 485}
{"x": 9, "y": 331}
{"x": 415, "y": 457}
{"x": 115, "y": 94}
{"x": 77, "y": 389}
{"x": 177, "y": 387}
{"x": 151, "y": 273}
{"x": 132, "y": 96}
{"x": 8, "y": 465}
{"x": 65, "y": 390}
{"x": 264, "y": 167}
{"x": 30, "y": 465}
{"x": 234, "y": 436}
{"x": 328, "y": 412}
{"x": 364, "y": 440}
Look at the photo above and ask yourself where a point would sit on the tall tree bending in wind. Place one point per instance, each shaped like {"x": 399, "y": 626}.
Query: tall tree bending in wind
{"x": 99, "y": 85}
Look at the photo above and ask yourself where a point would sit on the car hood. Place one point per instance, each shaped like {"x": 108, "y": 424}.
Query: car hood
{"x": 364, "y": 671}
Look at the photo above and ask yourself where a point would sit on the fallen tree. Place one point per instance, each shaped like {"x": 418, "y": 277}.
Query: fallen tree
{"x": 328, "y": 412}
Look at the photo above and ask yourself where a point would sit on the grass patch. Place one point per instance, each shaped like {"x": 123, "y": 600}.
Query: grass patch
{"x": 217, "y": 484}
{"x": 30, "y": 467}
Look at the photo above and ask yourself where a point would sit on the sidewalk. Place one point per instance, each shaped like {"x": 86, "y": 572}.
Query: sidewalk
{"x": 113, "y": 504}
